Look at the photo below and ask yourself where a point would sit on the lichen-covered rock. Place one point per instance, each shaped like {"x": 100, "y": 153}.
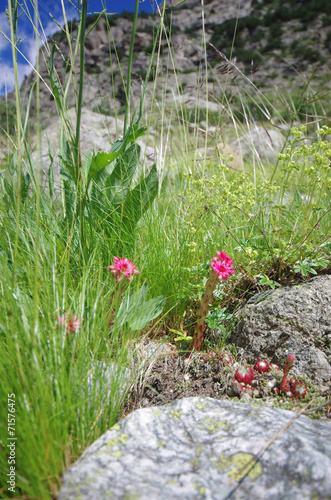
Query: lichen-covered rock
{"x": 295, "y": 319}
{"x": 199, "y": 448}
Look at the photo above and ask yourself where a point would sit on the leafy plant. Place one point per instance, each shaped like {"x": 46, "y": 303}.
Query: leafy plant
{"x": 7, "y": 117}
{"x": 135, "y": 311}
{"x": 266, "y": 281}
{"x": 15, "y": 180}
{"x": 217, "y": 317}
{"x": 309, "y": 265}
{"x": 182, "y": 336}
{"x": 99, "y": 194}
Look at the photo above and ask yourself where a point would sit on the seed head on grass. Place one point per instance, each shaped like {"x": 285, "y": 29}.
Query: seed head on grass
{"x": 123, "y": 267}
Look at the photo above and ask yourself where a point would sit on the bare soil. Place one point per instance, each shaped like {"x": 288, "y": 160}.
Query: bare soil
{"x": 174, "y": 376}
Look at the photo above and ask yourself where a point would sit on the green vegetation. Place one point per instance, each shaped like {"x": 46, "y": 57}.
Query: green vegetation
{"x": 8, "y": 117}
{"x": 62, "y": 312}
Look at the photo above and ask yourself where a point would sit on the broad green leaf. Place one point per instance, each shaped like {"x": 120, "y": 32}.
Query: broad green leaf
{"x": 87, "y": 162}
{"x": 136, "y": 312}
{"x": 118, "y": 183}
{"x": 66, "y": 157}
{"x": 134, "y": 133}
{"x": 117, "y": 146}
{"x": 56, "y": 87}
{"x": 147, "y": 312}
{"x": 100, "y": 161}
{"x": 130, "y": 306}
{"x": 140, "y": 198}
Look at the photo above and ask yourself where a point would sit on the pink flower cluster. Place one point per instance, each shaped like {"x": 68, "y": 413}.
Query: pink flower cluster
{"x": 72, "y": 324}
{"x": 222, "y": 264}
{"x": 123, "y": 267}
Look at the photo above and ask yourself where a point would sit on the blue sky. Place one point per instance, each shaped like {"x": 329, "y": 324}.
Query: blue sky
{"x": 47, "y": 9}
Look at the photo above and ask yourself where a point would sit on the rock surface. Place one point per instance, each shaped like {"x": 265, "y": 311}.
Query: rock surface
{"x": 282, "y": 41}
{"x": 199, "y": 448}
{"x": 294, "y": 319}
{"x": 260, "y": 142}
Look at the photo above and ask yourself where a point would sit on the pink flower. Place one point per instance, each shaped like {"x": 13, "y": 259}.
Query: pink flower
{"x": 72, "y": 324}
{"x": 123, "y": 267}
{"x": 222, "y": 264}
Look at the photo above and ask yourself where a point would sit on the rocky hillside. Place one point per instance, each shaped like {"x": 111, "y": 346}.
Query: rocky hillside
{"x": 275, "y": 42}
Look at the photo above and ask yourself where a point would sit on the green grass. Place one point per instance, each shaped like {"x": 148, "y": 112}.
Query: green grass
{"x": 273, "y": 218}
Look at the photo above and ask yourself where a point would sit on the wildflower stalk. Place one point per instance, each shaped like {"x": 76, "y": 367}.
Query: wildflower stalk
{"x": 203, "y": 311}
{"x": 13, "y": 18}
{"x": 77, "y": 158}
{"x": 81, "y": 80}
{"x": 284, "y": 385}
{"x": 121, "y": 268}
{"x": 128, "y": 82}
{"x": 222, "y": 269}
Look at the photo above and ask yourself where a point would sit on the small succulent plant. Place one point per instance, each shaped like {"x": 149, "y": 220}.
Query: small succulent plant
{"x": 285, "y": 385}
{"x": 226, "y": 358}
{"x": 292, "y": 388}
{"x": 261, "y": 366}
{"x": 250, "y": 391}
{"x": 241, "y": 385}
{"x": 244, "y": 374}
{"x": 221, "y": 268}
{"x": 235, "y": 388}
{"x": 298, "y": 389}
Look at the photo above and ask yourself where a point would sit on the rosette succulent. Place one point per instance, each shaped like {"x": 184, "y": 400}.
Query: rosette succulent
{"x": 261, "y": 366}
{"x": 244, "y": 374}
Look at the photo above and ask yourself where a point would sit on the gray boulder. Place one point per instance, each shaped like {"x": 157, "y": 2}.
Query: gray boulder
{"x": 294, "y": 319}
{"x": 200, "y": 448}
{"x": 261, "y": 143}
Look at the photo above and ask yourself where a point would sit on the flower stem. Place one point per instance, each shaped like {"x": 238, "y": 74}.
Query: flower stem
{"x": 203, "y": 311}
{"x": 128, "y": 81}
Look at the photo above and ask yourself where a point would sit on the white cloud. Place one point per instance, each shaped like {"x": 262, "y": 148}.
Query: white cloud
{"x": 29, "y": 49}
{"x": 4, "y": 44}
{"x": 7, "y": 79}
{"x": 27, "y": 46}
